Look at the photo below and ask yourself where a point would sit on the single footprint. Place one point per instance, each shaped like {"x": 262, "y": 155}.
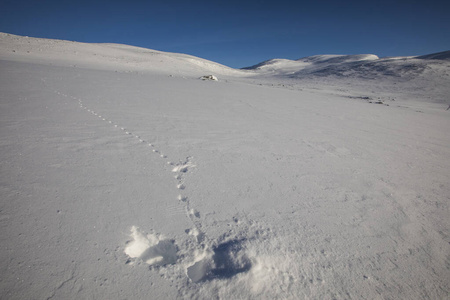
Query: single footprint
{"x": 220, "y": 262}
{"x": 183, "y": 168}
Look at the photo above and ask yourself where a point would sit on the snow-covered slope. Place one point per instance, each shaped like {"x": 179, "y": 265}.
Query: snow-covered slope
{"x": 422, "y": 78}
{"x": 311, "y": 62}
{"x": 105, "y": 56}
{"x": 118, "y": 181}
{"x": 366, "y": 66}
{"x": 441, "y": 56}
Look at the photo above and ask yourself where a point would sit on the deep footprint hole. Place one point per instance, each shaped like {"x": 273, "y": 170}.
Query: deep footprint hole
{"x": 228, "y": 260}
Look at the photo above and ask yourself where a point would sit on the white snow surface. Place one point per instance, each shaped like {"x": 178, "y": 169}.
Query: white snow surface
{"x": 125, "y": 176}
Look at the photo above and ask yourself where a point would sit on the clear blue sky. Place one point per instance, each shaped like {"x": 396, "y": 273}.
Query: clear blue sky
{"x": 240, "y": 33}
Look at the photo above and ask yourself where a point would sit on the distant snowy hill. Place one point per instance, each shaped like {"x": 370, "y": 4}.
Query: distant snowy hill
{"x": 366, "y": 66}
{"x": 440, "y": 55}
{"x": 308, "y": 62}
{"x": 105, "y": 56}
{"x": 424, "y": 77}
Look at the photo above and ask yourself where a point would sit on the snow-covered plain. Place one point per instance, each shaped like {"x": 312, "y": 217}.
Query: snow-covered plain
{"x": 125, "y": 176}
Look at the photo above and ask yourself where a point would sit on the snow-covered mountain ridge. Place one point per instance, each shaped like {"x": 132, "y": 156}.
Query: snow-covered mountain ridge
{"x": 124, "y": 57}
{"x": 366, "y": 66}
{"x": 421, "y": 78}
{"x": 274, "y": 64}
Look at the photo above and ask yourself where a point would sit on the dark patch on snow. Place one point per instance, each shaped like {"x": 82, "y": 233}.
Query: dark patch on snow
{"x": 228, "y": 260}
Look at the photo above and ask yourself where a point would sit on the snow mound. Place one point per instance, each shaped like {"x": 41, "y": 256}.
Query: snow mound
{"x": 151, "y": 248}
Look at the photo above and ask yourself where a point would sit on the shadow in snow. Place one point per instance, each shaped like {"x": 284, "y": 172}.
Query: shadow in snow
{"x": 228, "y": 260}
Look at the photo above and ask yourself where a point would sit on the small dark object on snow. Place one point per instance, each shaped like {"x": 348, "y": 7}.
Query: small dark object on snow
{"x": 209, "y": 77}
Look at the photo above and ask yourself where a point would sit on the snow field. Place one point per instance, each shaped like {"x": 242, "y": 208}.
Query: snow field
{"x": 209, "y": 261}
{"x": 135, "y": 185}
{"x": 242, "y": 249}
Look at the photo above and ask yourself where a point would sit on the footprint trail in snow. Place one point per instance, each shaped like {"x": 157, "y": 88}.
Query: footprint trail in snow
{"x": 206, "y": 259}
